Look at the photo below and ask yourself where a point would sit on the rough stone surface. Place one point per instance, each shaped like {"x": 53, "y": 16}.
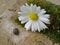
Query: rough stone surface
{"x": 57, "y": 2}
{"x": 8, "y": 11}
{"x": 5, "y": 4}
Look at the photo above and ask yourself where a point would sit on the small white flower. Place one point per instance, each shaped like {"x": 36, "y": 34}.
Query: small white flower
{"x": 34, "y": 17}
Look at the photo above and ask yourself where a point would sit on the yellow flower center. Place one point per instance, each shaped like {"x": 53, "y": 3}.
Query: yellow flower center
{"x": 33, "y": 16}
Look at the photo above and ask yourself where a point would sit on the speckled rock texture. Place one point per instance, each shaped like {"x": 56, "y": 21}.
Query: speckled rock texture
{"x": 8, "y": 13}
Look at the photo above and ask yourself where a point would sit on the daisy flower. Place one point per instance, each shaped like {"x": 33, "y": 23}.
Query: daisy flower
{"x": 34, "y": 17}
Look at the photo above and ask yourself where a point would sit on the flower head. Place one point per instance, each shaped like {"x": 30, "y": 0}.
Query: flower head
{"x": 34, "y": 17}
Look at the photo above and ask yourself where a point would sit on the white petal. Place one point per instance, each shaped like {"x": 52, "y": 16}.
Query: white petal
{"x": 45, "y": 20}
{"x": 24, "y": 13}
{"x": 32, "y": 28}
{"x": 22, "y": 18}
{"x": 35, "y": 23}
{"x": 42, "y": 25}
{"x": 26, "y": 4}
{"x": 25, "y": 9}
{"x": 28, "y": 25}
{"x": 47, "y": 15}
{"x": 42, "y": 12}
{"x": 31, "y": 5}
{"x": 33, "y": 8}
{"x": 19, "y": 12}
{"x": 19, "y": 18}
{"x": 38, "y": 9}
{"x": 37, "y": 26}
{"x": 22, "y": 8}
{"x": 24, "y": 21}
